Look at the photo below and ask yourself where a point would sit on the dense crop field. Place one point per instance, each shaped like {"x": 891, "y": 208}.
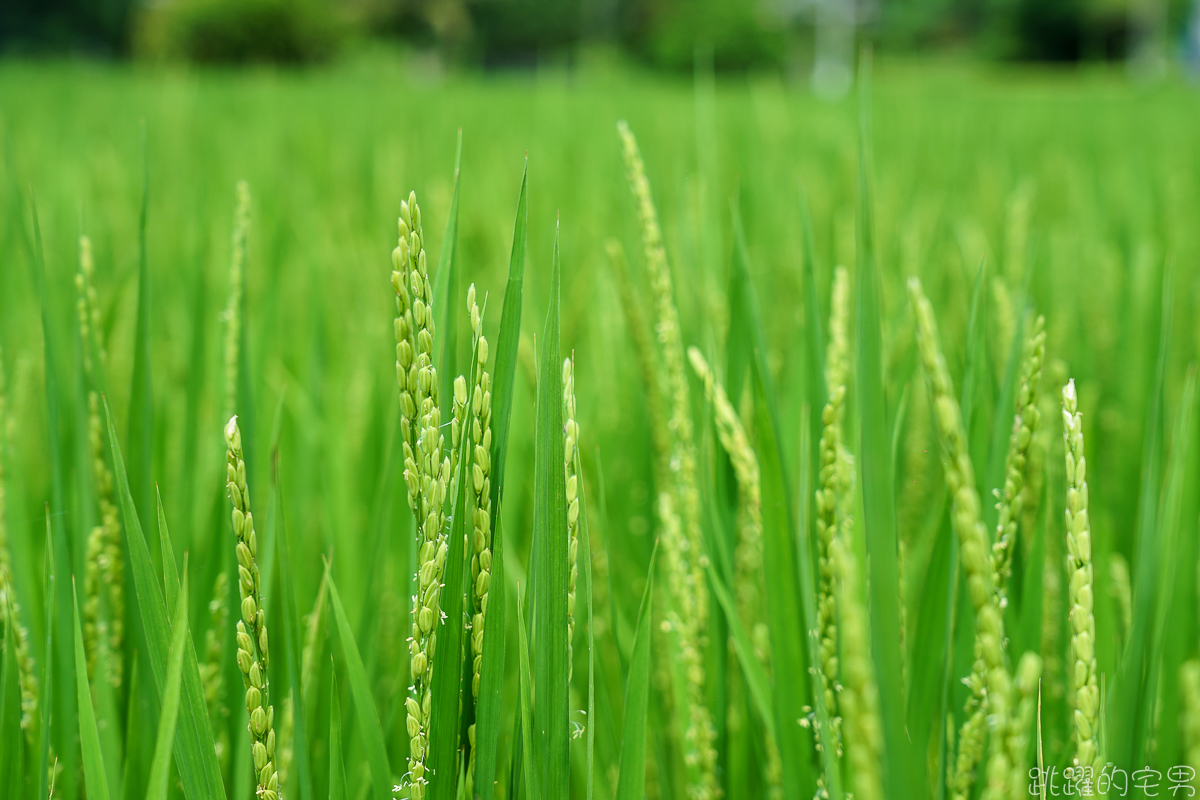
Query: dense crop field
{"x": 724, "y": 502}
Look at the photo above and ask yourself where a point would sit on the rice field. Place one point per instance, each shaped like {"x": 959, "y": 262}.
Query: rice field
{"x": 389, "y": 432}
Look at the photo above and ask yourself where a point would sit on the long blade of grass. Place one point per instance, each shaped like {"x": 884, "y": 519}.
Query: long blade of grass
{"x": 878, "y": 488}
{"x": 194, "y": 754}
{"x": 360, "y": 688}
{"x": 757, "y": 679}
{"x": 50, "y": 593}
{"x": 160, "y": 768}
{"x": 506, "y": 350}
{"x": 445, "y": 294}
{"x": 141, "y": 392}
{"x": 89, "y": 734}
{"x": 548, "y": 573}
{"x": 337, "y": 767}
{"x": 530, "y": 772}
{"x": 785, "y": 621}
{"x": 816, "y": 392}
{"x": 1130, "y": 699}
{"x": 585, "y": 553}
{"x": 491, "y": 674}
{"x": 446, "y": 688}
{"x": 63, "y": 702}
{"x": 785, "y": 602}
{"x": 291, "y": 652}
{"x": 631, "y": 784}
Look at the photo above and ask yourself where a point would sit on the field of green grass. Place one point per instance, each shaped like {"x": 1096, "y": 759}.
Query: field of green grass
{"x": 880, "y": 567}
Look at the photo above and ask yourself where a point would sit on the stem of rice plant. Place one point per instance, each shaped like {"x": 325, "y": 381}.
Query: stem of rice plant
{"x": 1011, "y": 499}
{"x": 989, "y": 682}
{"x": 480, "y": 492}
{"x": 1016, "y": 738}
{"x": 426, "y": 470}
{"x": 104, "y": 574}
{"x": 253, "y": 656}
{"x": 233, "y": 311}
{"x": 1121, "y": 590}
{"x": 679, "y": 514}
{"x": 1080, "y": 589}
{"x": 26, "y": 674}
{"x": 748, "y": 554}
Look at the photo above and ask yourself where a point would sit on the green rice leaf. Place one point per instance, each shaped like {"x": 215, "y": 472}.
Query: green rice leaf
{"x": 50, "y": 595}
{"x": 89, "y": 735}
{"x": 757, "y": 679}
{"x": 360, "y": 688}
{"x": 506, "y": 350}
{"x": 194, "y": 754}
{"x": 160, "y": 769}
{"x": 130, "y": 772}
{"x": 445, "y": 295}
{"x": 530, "y": 772}
{"x": 585, "y": 553}
{"x": 1132, "y": 704}
{"x": 141, "y": 392}
{"x": 785, "y": 623}
{"x": 448, "y": 657}
{"x": 631, "y": 785}
{"x": 548, "y": 572}
{"x": 878, "y": 489}
{"x": 491, "y": 674}
{"x": 816, "y": 392}
{"x": 337, "y": 768}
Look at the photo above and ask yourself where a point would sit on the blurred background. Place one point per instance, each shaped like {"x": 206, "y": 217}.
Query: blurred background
{"x": 804, "y": 39}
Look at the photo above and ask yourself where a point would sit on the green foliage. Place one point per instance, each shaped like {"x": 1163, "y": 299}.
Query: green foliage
{"x": 243, "y": 31}
{"x": 330, "y": 159}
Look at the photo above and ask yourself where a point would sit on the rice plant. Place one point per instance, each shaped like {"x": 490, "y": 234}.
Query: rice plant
{"x": 634, "y": 499}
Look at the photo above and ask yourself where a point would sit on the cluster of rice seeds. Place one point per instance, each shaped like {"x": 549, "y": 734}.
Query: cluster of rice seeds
{"x": 210, "y": 668}
{"x": 571, "y": 467}
{"x": 253, "y": 655}
{"x": 833, "y": 496}
{"x": 678, "y": 503}
{"x": 426, "y": 471}
{"x": 748, "y": 554}
{"x": 104, "y": 574}
{"x": 9, "y": 607}
{"x": 233, "y": 311}
{"x": 480, "y": 493}
{"x": 1080, "y": 589}
{"x": 989, "y": 682}
{"x": 1011, "y": 498}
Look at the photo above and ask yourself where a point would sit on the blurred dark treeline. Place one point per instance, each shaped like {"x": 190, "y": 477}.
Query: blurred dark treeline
{"x": 663, "y": 33}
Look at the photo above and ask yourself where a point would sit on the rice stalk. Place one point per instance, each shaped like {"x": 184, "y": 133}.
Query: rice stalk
{"x": 233, "y": 311}
{"x": 26, "y": 675}
{"x": 748, "y": 554}
{"x": 104, "y": 574}
{"x": 835, "y": 493}
{"x": 426, "y": 471}
{"x": 253, "y": 656}
{"x": 571, "y": 468}
{"x": 480, "y": 492}
{"x": 989, "y": 682}
{"x": 1011, "y": 499}
{"x": 1026, "y": 681}
{"x": 860, "y": 695}
{"x": 1080, "y": 589}
{"x": 679, "y": 508}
